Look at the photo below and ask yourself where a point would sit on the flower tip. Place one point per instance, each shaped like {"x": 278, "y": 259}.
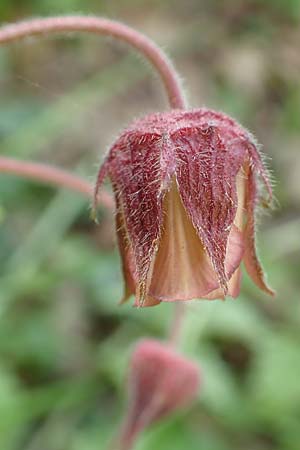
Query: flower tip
{"x": 93, "y": 215}
{"x": 270, "y": 291}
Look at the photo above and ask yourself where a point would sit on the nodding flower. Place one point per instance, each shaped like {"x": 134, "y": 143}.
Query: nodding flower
{"x": 186, "y": 187}
{"x": 160, "y": 382}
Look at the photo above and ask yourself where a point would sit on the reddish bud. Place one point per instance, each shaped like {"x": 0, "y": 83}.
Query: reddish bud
{"x": 160, "y": 382}
{"x": 186, "y": 190}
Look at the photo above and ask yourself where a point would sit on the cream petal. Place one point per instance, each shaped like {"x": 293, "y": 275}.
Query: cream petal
{"x": 234, "y": 285}
{"x": 182, "y": 269}
{"x": 234, "y": 252}
{"x": 241, "y": 181}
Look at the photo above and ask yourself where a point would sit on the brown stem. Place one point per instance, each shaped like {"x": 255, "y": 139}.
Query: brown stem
{"x": 52, "y": 175}
{"x": 97, "y": 25}
{"x": 176, "y": 323}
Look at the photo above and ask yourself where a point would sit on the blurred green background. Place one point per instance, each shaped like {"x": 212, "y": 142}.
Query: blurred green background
{"x": 64, "y": 342}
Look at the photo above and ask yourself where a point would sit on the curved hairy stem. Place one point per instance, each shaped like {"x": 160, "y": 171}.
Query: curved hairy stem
{"x": 99, "y": 25}
{"x": 54, "y": 176}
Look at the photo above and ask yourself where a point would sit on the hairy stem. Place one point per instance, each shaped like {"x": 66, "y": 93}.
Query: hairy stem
{"x": 52, "y": 175}
{"x": 98, "y": 25}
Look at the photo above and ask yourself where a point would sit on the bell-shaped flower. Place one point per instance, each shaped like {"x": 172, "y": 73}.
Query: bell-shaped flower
{"x": 186, "y": 186}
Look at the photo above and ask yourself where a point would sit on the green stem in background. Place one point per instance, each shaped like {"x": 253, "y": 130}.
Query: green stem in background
{"x": 98, "y": 25}
{"x": 52, "y": 175}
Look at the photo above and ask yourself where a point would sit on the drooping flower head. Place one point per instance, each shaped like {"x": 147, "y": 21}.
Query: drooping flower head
{"x": 160, "y": 382}
{"x": 186, "y": 190}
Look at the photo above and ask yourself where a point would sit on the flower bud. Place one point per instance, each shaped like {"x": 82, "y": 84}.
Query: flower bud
{"x": 186, "y": 190}
{"x": 160, "y": 382}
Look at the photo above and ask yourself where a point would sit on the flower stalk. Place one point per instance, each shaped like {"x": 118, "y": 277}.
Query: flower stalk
{"x": 47, "y": 174}
{"x": 98, "y": 25}
{"x": 177, "y": 321}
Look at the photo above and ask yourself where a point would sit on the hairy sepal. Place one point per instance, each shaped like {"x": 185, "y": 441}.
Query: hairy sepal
{"x": 140, "y": 183}
{"x": 206, "y": 175}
